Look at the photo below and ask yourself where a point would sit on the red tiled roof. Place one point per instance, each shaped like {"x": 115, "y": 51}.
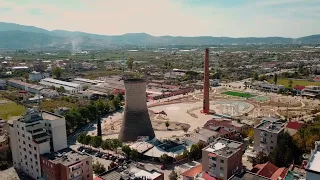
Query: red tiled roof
{"x": 265, "y": 170}
{"x": 299, "y": 87}
{"x": 294, "y": 125}
{"x": 281, "y": 172}
{"x": 207, "y": 177}
{"x": 193, "y": 171}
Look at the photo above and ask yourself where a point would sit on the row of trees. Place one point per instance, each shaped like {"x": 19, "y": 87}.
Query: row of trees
{"x": 78, "y": 117}
{"x": 97, "y": 142}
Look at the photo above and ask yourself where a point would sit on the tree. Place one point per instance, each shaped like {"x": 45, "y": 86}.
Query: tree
{"x": 87, "y": 140}
{"x": 60, "y": 89}
{"x": 260, "y": 159}
{"x": 116, "y": 103}
{"x": 126, "y": 149}
{"x": 81, "y": 138}
{"x": 195, "y": 151}
{"x": 285, "y": 152}
{"x": 167, "y": 124}
{"x": 255, "y": 75}
{"x": 98, "y": 168}
{"x": 135, "y": 155}
{"x": 185, "y": 129}
{"x": 275, "y": 78}
{"x": 290, "y": 83}
{"x": 165, "y": 159}
{"x": 85, "y": 87}
{"x": 57, "y": 72}
{"x": 96, "y": 141}
{"x": 129, "y": 63}
{"x": 173, "y": 175}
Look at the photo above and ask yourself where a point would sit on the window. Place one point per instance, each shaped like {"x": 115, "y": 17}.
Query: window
{"x": 25, "y": 156}
{"x": 28, "y": 138}
{"x": 31, "y": 167}
{"x": 37, "y": 170}
{"x": 36, "y": 162}
{"x": 87, "y": 175}
{"x": 19, "y": 140}
{"x": 221, "y": 168}
{"x": 49, "y": 125}
{"x": 87, "y": 162}
{"x": 27, "y": 163}
{"x": 18, "y": 133}
{"x": 222, "y": 161}
{"x": 22, "y": 128}
{"x": 271, "y": 141}
{"x": 24, "y": 142}
{"x": 29, "y": 145}
{"x": 19, "y": 147}
{"x": 29, "y": 152}
{"x": 31, "y": 159}
{"x": 22, "y": 135}
{"x": 271, "y": 147}
{"x": 35, "y": 156}
{"x": 17, "y": 126}
{"x": 24, "y": 149}
{"x": 35, "y": 148}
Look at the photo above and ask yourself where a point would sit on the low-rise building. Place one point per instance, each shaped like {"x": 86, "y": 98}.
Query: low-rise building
{"x": 66, "y": 164}
{"x": 266, "y": 134}
{"x": 270, "y": 171}
{"x": 292, "y": 127}
{"x": 311, "y": 91}
{"x": 3, "y": 85}
{"x": 130, "y": 171}
{"x": 193, "y": 173}
{"x": 222, "y": 159}
{"x": 69, "y": 87}
{"x": 32, "y": 88}
{"x": 265, "y": 86}
{"x": 205, "y": 135}
{"x": 37, "y": 76}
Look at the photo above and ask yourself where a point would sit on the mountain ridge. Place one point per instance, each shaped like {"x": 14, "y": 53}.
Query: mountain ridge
{"x": 16, "y": 36}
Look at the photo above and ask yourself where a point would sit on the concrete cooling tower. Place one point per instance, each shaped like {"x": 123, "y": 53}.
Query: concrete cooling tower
{"x": 136, "y": 121}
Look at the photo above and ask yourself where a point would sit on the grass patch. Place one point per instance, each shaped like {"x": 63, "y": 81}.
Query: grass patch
{"x": 239, "y": 94}
{"x": 51, "y": 105}
{"x": 10, "y": 109}
{"x": 285, "y": 82}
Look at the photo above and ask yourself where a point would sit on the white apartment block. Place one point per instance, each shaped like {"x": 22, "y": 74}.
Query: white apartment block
{"x": 71, "y": 88}
{"x": 266, "y": 135}
{"x": 35, "y": 134}
{"x": 313, "y": 167}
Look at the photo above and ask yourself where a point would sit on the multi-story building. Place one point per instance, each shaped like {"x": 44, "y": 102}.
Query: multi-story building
{"x": 266, "y": 134}
{"x": 35, "y": 134}
{"x": 313, "y": 167}
{"x": 264, "y": 86}
{"x": 66, "y": 164}
{"x": 71, "y": 88}
{"x": 311, "y": 91}
{"x": 222, "y": 159}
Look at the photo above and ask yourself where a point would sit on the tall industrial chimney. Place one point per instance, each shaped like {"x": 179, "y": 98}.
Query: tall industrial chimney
{"x": 206, "y": 83}
{"x": 136, "y": 121}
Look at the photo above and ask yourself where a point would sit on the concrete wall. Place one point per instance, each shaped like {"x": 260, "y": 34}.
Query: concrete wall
{"x": 58, "y": 133}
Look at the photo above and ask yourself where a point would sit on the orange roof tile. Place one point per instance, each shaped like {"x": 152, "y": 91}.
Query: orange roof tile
{"x": 266, "y": 170}
{"x": 193, "y": 171}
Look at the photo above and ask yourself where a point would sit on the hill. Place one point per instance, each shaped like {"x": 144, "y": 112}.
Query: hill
{"x": 15, "y": 36}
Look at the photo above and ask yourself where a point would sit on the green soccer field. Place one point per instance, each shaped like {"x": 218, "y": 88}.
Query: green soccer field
{"x": 239, "y": 94}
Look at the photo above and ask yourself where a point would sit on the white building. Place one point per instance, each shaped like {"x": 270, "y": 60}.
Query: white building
{"x": 35, "y": 134}
{"x": 313, "y": 167}
{"x": 71, "y": 88}
{"x": 311, "y": 91}
{"x": 37, "y": 76}
{"x": 264, "y": 86}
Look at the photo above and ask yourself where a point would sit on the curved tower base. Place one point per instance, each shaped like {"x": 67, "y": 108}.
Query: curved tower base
{"x": 135, "y": 124}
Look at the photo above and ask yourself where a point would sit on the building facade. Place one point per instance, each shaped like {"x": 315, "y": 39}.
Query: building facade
{"x": 222, "y": 159}
{"x": 66, "y": 164}
{"x": 32, "y": 135}
{"x": 266, "y": 135}
{"x": 32, "y": 88}
{"x": 311, "y": 91}
{"x": 313, "y": 167}
{"x": 71, "y": 88}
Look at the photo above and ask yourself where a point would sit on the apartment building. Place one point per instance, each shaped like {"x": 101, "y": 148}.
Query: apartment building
{"x": 222, "y": 159}
{"x": 71, "y": 88}
{"x": 66, "y": 164}
{"x": 266, "y": 134}
{"x": 34, "y": 134}
{"x": 311, "y": 91}
{"x": 313, "y": 167}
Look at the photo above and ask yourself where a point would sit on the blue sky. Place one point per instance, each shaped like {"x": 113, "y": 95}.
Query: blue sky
{"x": 233, "y": 18}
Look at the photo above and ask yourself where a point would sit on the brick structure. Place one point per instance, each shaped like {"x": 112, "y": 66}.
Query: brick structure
{"x": 206, "y": 84}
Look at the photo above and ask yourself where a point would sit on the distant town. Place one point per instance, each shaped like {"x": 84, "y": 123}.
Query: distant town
{"x": 220, "y": 112}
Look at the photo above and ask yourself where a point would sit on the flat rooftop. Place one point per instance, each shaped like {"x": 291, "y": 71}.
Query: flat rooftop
{"x": 50, "y": 116}
{"x": 314, "y": 164}
{"x": 271, "y": 125}
{"x": 64, "y": 83}
{"x": 223, "y": 147}
{"x": 129, "y": 171}
{"x": 66, "y": 157}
